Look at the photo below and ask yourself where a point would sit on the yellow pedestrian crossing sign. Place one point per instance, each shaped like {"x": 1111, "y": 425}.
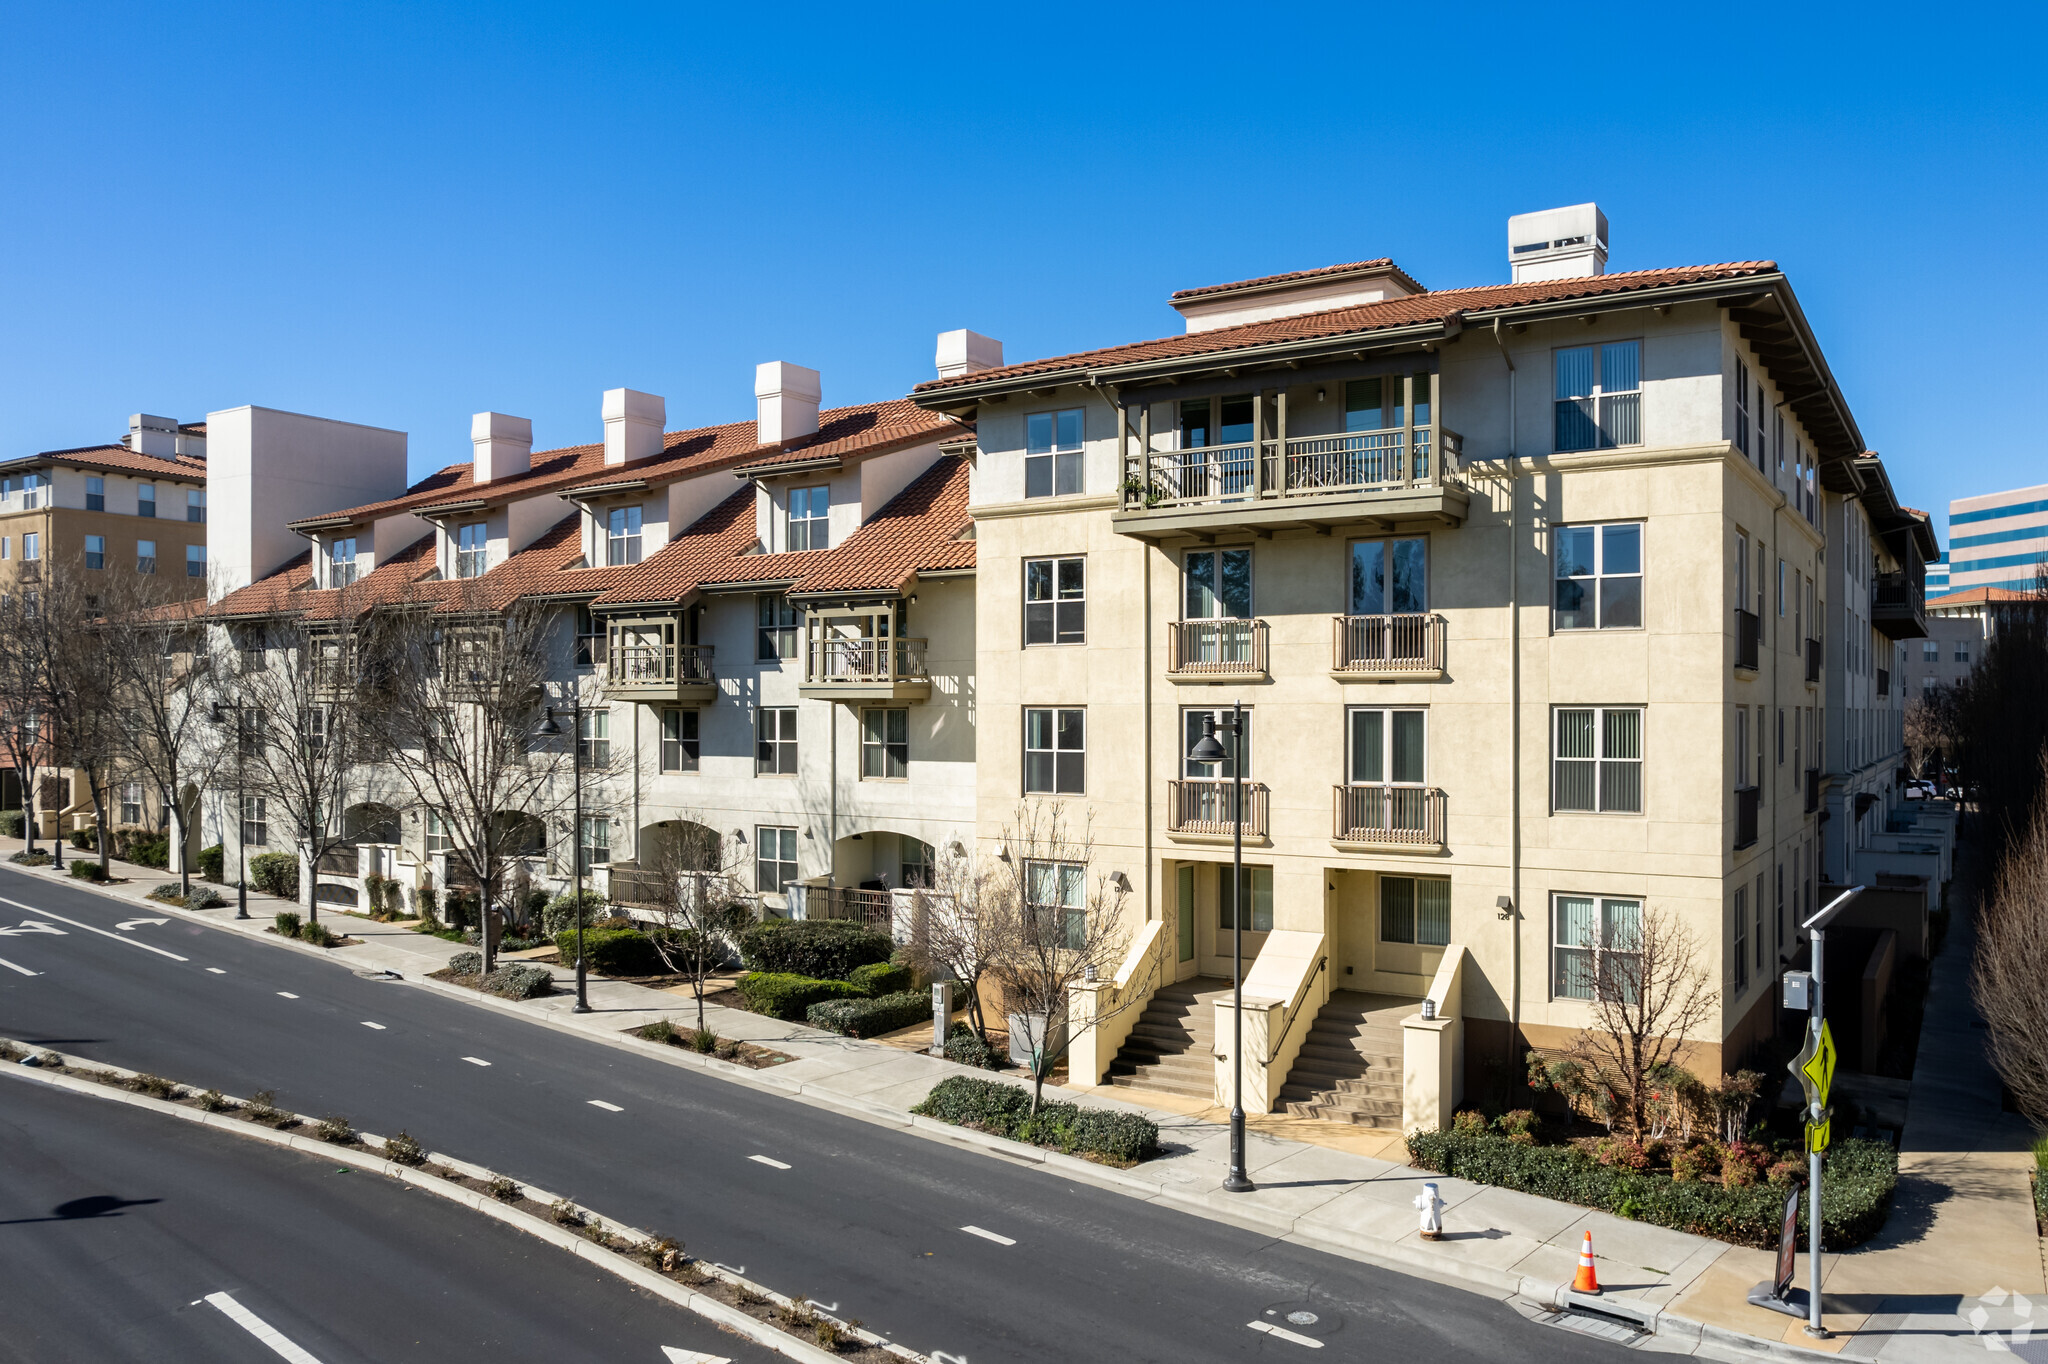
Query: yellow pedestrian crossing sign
{"x": 1818, "y": 1134}
{"x": 1815, "y": 1064}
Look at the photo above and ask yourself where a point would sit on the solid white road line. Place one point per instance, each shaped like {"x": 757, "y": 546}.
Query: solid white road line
{"x": 132, "y": 942}
{"x": 1285, "y": 1334}
{"x": 988, "y": 1236}
{"x": 609, "y": 1108}
{"x": 764, "y": 1160}
{"x": 286, "y": 994}
{"x": 676, "y": 1356}
{"x": 476, "y": 1060}
{"x": 23, "y": 969}
{"x": 216, "y": 971}
{"x": 368, "y": 1024}
{"x": 259, "y": 1328}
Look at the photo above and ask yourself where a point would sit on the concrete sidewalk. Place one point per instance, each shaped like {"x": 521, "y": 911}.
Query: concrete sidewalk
{"x": 1351, "y": 1192}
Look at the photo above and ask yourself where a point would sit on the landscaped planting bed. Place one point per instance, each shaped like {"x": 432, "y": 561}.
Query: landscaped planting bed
{"x": 1107, "y": 1135}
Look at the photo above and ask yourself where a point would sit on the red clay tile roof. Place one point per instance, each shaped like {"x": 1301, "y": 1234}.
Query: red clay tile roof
{"x": 1981, "y": 596}
{"x": 115, "y": 459}
{"x": 723, "y": 534}
{"x": 855, "y": 432}
{"x": 1437, "y": 306}
{"x": 1381, "y": 265}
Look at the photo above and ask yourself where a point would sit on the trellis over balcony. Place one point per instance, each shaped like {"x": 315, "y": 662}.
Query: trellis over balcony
{"x": 1204, "y": 810}
{"x": 1388, "y": 648}
{"x": 644, "y": 660}
{"x": 855, "y": 655}
{"x": 1386, "y": 815}
{"x": 1216, "y": 650}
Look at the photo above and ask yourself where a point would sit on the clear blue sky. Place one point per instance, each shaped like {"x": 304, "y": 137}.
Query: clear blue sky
{"x": 403, "y": 214}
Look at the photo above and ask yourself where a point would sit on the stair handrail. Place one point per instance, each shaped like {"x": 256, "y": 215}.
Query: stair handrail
{"x": 1294, "y": 1009}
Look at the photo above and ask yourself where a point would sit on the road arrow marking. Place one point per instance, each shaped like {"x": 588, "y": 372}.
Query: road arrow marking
{"x": 764, "y": 1160}
{"x": 137, "y": 923}
{"x": 1285, "y": 1334}
{"x": 676, "y": 1356}
{"x": 90, "y": 929}
{"x": 988, "y": 1236}
{"x": 23, "y": 969}
{"x": 32, "y": 926}
{"x": 609, "y": 1108}
{"x": 259, "y": 1328}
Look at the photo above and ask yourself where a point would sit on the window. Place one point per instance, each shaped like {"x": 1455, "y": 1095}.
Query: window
{"x": 95, "y": 551}
{"x": 1254, "y": 891}
{"x": 1740, "y": 955}
{"x": 1599, "y": 577}
{"x": 95, "y": 494}
{"x": 1052, "y": 453}
{"x": 1056, "y": 895}
{"x": 341, "y": 562}
{"x": 131, "y": 802}
{"x": 1055, "y": 751}
{"x": 1218, "y": 585}
{"x": 145, "y": 499}
{"x": 1596, "y": 949}
{"x": 315, "y": 728}
{"x": 810, "y": 522}
{"x": 256, "y": 821}
{"x": 1415, "y": 909}
{"x": 777, "y": 635}
{"x": 680, "y": 750}
{"x": 1962, "y": 651}
{"x": 195, "y": 561}
{"x": 32, "y": 486}
{"x": 1599, "y": 396}
{"x": 1930, "y": 651}
{"x": 1761, "y": 943}
{"x": 1055, "y": 601}
{"x": 1781, "y": 736}
{"x": 775, "y": 741}
{"x": 1741, "y": 747}
{"x": 1598, "y": 763}
{"x": 1781, "y": 589}
{"x": 32, "y": 545}
{"x": 774, "y": 858}
{"x": 145, "y": 556}
{"x": 470, "y": 545}
{"x": 914, "y": 862}
{"x": 594, "y": 737}
{"x": 1388, "y": 746}
{"x": 622, "y": 536}
{"x": 439, "y": 838}
{"x": 1194, "y": 723}
{"x": 885, "y": 744}
{"x": 195, "y": 504}
{"x": 6, "y": 544}
{"x": 1389, "y": 577}
{"x": 1375, "y": 404}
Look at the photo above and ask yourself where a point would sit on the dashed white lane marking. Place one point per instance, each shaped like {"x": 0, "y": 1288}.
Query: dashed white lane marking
{"x": 23, "y": 969}
{"x": 368, "y": 1024}
{"x": 215, "y": 971}
{"x": 117, "y": 937}
{"x": 259, "y": 1328}
{"x": 988, "y": 1236}
{"x": 764, "y": 1160}
{"x": 476, "y": 1060}
{"x": 1285, "y": 1334}
{"x": 677, "y": 1356}
{"x": 609, "y": 1108}
{"x": 286, "y": 994}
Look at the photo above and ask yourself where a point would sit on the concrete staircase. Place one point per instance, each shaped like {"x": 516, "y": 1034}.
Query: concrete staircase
{"x": 1172, "y": 1046}
{"x": 1349, "y": 1069}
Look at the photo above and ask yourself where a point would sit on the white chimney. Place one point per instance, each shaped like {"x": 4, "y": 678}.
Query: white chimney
{"x": 964, "y": 352}
{"x": 503, "y": 445}
{"x": 786, "y": 401}
{"x": 1558, "y": 243}
{"x": 633, "y": 423}
{"x": 157, "y": 436}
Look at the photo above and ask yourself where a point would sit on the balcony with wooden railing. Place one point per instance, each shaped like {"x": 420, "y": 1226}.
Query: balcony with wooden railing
{"x": 638, "y": 669}
{"x": 1898, "y": 605}
{"x": 1386, "y": 815}
{"x": 1207, "y": 808}
{"x": 1215, "y": 650}
{"x": 1389, "y": 648}
{"x": 864, "y": 668}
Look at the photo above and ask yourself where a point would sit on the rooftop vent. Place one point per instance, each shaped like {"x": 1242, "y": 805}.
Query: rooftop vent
{"x": 786, "y": 402}
{"x": 503, "y": 445}
{"x": 632, "y": 424}
{"x": 1558, "y": 243}
{"x": 155, "y": 436}
{"x": 965, "y": 352}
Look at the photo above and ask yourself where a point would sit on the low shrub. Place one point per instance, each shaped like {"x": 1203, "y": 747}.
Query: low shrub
{"x": 466, "y": 963}
{"x": 661, "y": 1030}
{"x": 155, "y": 1086}
{"x": 521, "y": 980}
{"x": 1520, "y": 1124}
{"x": 504, "y": 1190}
{"x": 170, "y": 892}
{"x": 560, "y": 913}
{"x": 882, "y": 978}
{"x": 287, "y": 922}
{"x": 204, "y": 896}
{"x": 405, "y": 1149}
{"x": 86, "y": 869}
{"x": 143, "y": 848}
{"x": 213, "y": 1101}
{"x": 1861, "y": 1176}
{"x": 704, "y": 1041}
{"x": 336, "y": 1129}
{"x": 211, "y": 860}
{"x": 460, "y": 907}
{"x": 262, "y": 1107}
{"x": 317, "y": 934}
{"x": 823, "y": 949}
{"x": 275, "y": 874}
{"x": 614, "y": 951}
{"x": 966, "y": 1047}
{"x": 869, "y": 1017}
{"x": 31, "y": 859}
{"x": 12, "y": 822}
{"x": 780, "y": 994}
{"x": 85, "y": 840}
{"x": 563, "y": 1213}
{"x": 1005, "y": 1110}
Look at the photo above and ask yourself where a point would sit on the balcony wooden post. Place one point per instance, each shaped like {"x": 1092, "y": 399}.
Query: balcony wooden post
{"x": 1258, "y": 444}
{"x": 1280, "y": 443}
{"x": 1408, "y": 430}
{"x": 1437, "y": 468}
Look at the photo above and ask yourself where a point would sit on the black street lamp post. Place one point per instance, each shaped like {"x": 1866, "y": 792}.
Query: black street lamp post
{"x": 548, "y": 726}
{"x": 1208, "y": 750}
{"x": 241, "y": 809}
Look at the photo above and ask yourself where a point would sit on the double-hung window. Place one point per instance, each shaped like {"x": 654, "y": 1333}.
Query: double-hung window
{"x": 439, "y": 838}
{"x": 680, "y": 749}
{"x": 1596, "y": 947}
{"x": 1742, "y": 407}
{"x": 1599, "y": 396}
{"x": 1056, "y": 601}
{"x": 1052, "y": 453}
{"x": 1416, "y": 909}
{"x": 775, "y": 741}
{"x": 1254, "y": 890}
{"x": 1597, "y": 759}
{"x": 1739, "y": 953}
{"x": 885, "y": 744}
{"x": 622, "y": 536}
{"x": 1055, "y": 751}
{"x": 595, "y": 844}
{"x": 195, "y": 504}
{"x": 810, "y": 518}
{"x": 341, "y": 561}
{"x": 1962, "y": 651}
{"x": 95, "y": 551}
{"x": 470, "y": 546}
{"x": 195, "y": 561}
{"x": 256, "y": 821}
{"x": 131, "y": 802}
{"x": 145, "y": 556}
{"x": 1599, "y": 572}
{"x": 776, "y": 637}
{"x": 95, "y": 494}
{"x": 145, "y": 499}
{"x": 32, "y": 545}
{"x": 774, "y": 858}
{"x": 594, "y": 737}
{"x": 1056, "y": 895}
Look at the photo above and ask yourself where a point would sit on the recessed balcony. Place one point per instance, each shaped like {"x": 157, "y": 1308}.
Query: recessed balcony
{"x": 1369, "y": 815}
{"x": 1398, "y": 477}
{"x": 1216, "y": 650}
{"x": 865, "y": 668}
{"x": 639, "y": 669}
{"x": 1813, "y": 662}
{"x": 1392, "y": 648}
{"x": 1749, "y": 633}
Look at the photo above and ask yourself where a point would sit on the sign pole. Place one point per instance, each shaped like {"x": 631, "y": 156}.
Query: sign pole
{"x": 1816, "y": 1116}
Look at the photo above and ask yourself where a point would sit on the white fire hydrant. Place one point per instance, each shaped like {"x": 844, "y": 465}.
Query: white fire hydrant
{"x": 1432, "y": 1209}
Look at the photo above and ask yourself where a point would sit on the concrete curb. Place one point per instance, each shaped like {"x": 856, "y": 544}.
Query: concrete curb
{"x": 611, "y": 1261}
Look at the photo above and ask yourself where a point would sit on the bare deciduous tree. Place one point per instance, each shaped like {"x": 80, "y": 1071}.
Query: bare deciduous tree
{"x": 953, "y": 936}
{"x": 685, "y": 875}
{"x": 2010, "y": 976}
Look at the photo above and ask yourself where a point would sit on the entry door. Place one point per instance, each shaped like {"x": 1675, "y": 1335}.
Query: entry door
{"x": 1184, "y": 891}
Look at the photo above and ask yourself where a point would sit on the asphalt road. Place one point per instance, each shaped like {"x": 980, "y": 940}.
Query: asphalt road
{"x": 119, "y": 1227}
{"x": 865, "y": 1220}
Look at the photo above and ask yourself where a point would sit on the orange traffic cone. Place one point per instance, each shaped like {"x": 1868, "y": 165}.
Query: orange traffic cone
{"x": 1586, "y": 1281}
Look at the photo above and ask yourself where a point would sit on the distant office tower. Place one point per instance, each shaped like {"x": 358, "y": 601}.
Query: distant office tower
{"x": 1998, "y": 539}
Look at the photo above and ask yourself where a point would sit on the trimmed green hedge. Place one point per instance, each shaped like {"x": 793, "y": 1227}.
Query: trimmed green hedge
{"x": 275, "y": 874}
{"x": 12, "y": 822}
{"x": 870, "y": 1017}
{"x": 211, "y": 860}
{"x": 882, "y": 978}
{"x": 560, "y": 912}
{"x": 1123, "y": 1138}
{"x": 623, "y": 951}
{"x": 1859, "y": 1179}
{"x": 781, "y": 994}
{"x": 823, "y": 949}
